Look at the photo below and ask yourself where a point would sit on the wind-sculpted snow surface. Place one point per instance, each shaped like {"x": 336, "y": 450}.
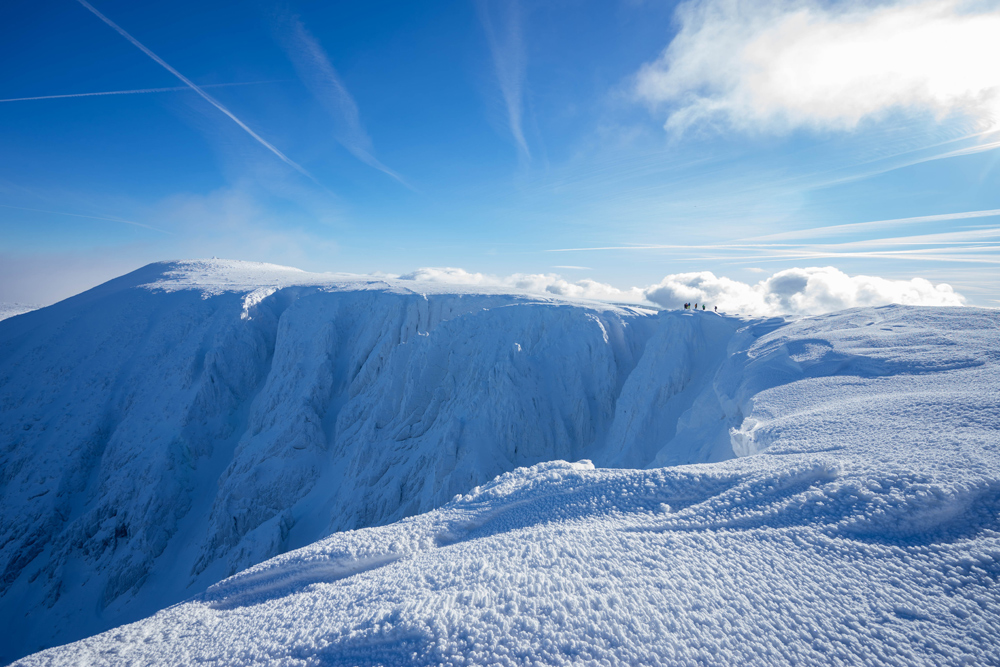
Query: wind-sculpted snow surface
{"x": 233, "y": 412}
{"x": 791, "y": 559}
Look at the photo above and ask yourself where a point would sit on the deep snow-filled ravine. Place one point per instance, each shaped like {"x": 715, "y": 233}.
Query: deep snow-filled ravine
{"x": 193, "y": 419}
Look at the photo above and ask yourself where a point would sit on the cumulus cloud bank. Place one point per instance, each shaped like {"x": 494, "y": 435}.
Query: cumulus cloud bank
{"x": 792, "y": 63}
{"x": 538, "y": 283}
{"x": 789, "y": 293}
{"x": 798, "y": 292}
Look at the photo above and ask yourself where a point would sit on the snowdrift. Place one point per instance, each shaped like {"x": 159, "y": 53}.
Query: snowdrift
{"x": 191, "y": 420}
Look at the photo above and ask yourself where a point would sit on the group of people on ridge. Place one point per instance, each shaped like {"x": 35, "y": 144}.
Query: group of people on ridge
{"x": 687, "y": 306}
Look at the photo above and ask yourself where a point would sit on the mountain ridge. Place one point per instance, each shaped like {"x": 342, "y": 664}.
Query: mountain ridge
{"x": 193, "y": 419}
{"x": 246, "y": 409}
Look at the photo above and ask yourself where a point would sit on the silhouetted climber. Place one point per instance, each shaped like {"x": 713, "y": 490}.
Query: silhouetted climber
{"x": 703, "y": 306}
{"x": 696, "y": 306}
{"x": 716, "y": 309}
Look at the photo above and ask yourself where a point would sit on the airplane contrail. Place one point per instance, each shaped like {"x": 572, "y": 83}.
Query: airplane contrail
{"x": 208, "y": 98}
{"x": 131, "y": 92}
{"x": 92, "y": 217}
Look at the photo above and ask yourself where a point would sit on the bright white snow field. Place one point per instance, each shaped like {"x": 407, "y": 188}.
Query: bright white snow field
{"x": 824, "y": 491}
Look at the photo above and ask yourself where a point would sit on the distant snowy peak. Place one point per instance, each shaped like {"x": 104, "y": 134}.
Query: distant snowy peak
{"x": 228, "y": 272}
{"x": 12, "y": 309}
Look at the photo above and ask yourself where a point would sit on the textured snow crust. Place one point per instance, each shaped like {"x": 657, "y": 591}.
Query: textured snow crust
{"x": 859, "y": 525}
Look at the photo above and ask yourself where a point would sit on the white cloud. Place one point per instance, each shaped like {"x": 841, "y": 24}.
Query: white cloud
{"x": 704, "y": 287}
{"x": 450, "y": 276}
{"x": 799, "y": 63}
{"x": 538, "y": 283}
{"x": 321, "y": 78}
{"x": 509, "y": 62}
{"x": 798, "y": 292}
{"x": 579, "y": 289}
{"x": 208, "y": 98}
{"x": 790, "y": 293}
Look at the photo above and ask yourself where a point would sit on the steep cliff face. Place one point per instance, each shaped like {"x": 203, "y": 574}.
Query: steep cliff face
{"x": 859, "y": 525}
{"x": 191, "y": 419}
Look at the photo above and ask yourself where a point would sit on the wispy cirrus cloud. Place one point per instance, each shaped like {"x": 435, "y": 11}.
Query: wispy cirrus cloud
{"x": 322, "y": 80}
{"x": 503, "y": 32}
{"x": 979, "y": 250}
{"x": 135, "y": 91}
{"x": 782, "y": 65}
{"x": 797, "y": 242}
{"x": 860, "y": 227}
{"x": 91, "y": 217}
{"x": 198, "y": 89}
{"x": 920, "y": 241}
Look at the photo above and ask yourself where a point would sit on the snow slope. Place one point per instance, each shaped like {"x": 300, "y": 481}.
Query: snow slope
{"x": 12, "y": 309}
{"x": 191, "y": 419}
{"x": 859, "y": 526}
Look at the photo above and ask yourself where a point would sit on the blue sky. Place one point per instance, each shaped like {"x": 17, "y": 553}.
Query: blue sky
{"x": 615, "y": 141}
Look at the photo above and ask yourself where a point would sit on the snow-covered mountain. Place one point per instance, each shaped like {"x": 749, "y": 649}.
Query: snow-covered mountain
{"x": 193, "y": 419}
{"x": 12, "y": 309}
